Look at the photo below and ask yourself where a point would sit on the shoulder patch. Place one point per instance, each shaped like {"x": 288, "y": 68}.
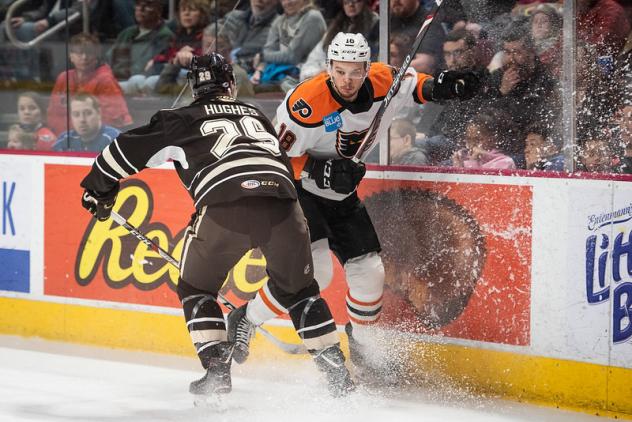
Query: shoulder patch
{"x": 301, "y": 107}
{"x": 311, "y": 101}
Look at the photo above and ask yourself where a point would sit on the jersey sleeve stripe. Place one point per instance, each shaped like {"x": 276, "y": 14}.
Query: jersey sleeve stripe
{"x": 254, "y": 161}
{"x": 96, "y": 162}
{"x": 109, "y": 159}
{"x": 135, "y": 170}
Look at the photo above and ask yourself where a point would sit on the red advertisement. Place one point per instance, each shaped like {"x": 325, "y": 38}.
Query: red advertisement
{"x": 457, "y": 256}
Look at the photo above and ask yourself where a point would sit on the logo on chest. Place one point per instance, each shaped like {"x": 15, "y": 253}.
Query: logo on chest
{"x": 347, "y": 143}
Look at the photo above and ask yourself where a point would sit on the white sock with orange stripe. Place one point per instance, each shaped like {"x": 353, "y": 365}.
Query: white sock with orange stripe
{"x": 263, "y": 307}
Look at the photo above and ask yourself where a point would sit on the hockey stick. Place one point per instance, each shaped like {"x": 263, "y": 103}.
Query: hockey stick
{"x": 290, "y": 348}
{"x": 369, "y": 139}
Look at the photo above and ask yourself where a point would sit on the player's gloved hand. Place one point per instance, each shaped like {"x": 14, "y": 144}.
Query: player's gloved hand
{"x": 100, "y": 205}
{"x": 343, "y": 175}
{"x": 451, "y": 84}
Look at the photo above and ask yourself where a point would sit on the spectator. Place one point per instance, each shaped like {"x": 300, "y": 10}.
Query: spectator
{"x": 407, "y": 16}
{"x": 356, "y": 17}
{"x": 542, "y": 148}
{"x": 623, "y": 125}
{"x": 18, "y": 138}
{"x": 398, "y": 49}
{"x": 602, "y": 24}
{"x": 41, "y": 16}
{"x": 546, "y": 30}
{"x": 31, "y": 118}
{"x": 483, "y": 142}
{"x": 89, "y": 76}
{"x": 596, "y": 152}
{"x": 223, "y": 47}
{"x": 523, "y": 87}
{"x": 132, "y": 53}
{"x": 292, "y": 36}
{"x": 88, "y": 133}
{"x": 248, "y": 30}
{"x": 193, "y": 17}
{"x": 402, "y": 148}
{"x": 460, "y": 53}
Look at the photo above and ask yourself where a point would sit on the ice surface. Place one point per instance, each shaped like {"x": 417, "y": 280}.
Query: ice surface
{"x": 50, "y": 381}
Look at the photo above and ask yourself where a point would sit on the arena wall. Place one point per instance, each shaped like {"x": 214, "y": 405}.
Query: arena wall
{"x": 515, "y": 286}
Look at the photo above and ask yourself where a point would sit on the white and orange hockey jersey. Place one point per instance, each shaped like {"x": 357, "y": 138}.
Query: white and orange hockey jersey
{"x": 315, "y": 121}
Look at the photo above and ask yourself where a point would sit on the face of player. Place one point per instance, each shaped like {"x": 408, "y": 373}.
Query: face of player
{"x": 348, "y": 77}
{"x": 86, "y": 120}
{"x": 28, "y": 111}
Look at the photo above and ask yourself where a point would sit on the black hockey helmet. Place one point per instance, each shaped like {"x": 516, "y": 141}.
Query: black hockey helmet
{"x": 210, "y": 74}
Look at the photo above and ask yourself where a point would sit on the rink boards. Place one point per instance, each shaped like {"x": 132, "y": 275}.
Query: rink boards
{"x": 519, "y": 286}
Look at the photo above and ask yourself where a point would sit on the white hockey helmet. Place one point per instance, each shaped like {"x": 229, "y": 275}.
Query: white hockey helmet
{"x": 349, "y": 47}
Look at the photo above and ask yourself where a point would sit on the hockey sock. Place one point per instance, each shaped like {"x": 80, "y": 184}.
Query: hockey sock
{"x": 205, "y": 320}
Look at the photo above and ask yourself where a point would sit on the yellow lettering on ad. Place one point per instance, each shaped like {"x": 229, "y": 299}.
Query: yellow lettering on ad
{"x": 240, "y": 272}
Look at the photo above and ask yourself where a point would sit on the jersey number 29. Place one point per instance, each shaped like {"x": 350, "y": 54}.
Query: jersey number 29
{"x": 229, "y": 131}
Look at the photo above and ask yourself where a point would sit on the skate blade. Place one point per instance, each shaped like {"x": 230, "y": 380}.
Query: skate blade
{"x": 215, "y": 402}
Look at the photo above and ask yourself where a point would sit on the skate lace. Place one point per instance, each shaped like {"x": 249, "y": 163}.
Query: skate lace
{"x": 243, "y": 332}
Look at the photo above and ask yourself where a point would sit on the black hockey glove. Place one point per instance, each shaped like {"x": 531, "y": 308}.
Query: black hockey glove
{"x": 343, "y": 176}
{"x": 451, "y": 84}
{"x": 100, "y": 205}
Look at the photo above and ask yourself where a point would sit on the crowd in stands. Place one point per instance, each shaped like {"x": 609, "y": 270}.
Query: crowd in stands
{"x": 134, "y": 53}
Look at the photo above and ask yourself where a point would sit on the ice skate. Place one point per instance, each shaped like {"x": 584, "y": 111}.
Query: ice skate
{"x": 377, "y": 369}
{"x": 217, "y": 380}
{"x": 331, "y": 362}
{"x": 240, "y": 331}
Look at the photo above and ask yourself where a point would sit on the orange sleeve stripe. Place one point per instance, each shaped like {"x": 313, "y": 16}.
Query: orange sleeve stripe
{"x": 298, "y": 164}
{"x": 269, "y": 303}
{"x": 421, "y": 79}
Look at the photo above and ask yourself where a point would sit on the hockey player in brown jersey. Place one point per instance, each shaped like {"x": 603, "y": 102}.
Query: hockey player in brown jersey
{"x": 228, "y": 157}
{"x": 321, "y": 124}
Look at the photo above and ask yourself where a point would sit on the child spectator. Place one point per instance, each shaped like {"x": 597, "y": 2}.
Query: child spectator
{"x": 88, "y": 133}
{"x": 20, "y": 139}
{"x": 356, "y": 17}
{"x": 596, "y": 153}
{"x": 483, "y": 140}
{"x": 31, "y": 118}
{"x": 542, "y": 149}
{"x": 402, "y": 148}
{"x": 135, "y": 47}
{"x": 291, "y": 38}
{"x": 193, "y": 17}
{"x": 89, "y": 76}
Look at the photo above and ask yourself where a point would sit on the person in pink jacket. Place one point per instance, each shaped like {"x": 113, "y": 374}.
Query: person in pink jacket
{"x": 89, "y": 76}
{"x": 483, "y": 140}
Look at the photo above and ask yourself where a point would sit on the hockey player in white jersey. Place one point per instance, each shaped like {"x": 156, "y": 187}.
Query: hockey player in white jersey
{"x": 321, "y": 124}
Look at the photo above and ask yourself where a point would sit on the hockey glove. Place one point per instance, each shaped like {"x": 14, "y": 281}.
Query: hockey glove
{"x": 343, "y": 176}
{"x": 451, "y": 84}
{"x": 100, "y": 205}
